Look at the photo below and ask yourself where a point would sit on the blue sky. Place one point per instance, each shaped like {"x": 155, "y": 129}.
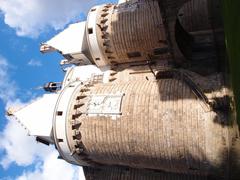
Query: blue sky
{"x": 23, "y": 68}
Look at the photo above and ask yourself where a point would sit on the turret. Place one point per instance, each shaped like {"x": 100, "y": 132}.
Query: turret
{"x": 138, "y": 97}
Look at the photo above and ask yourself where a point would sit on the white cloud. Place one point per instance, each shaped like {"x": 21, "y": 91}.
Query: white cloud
{"x": 53, "y": 168}
{"x": 7, "y": 87}
{"x": 19, "y": 148}
{"x": 14, "y": 144}
{"x": 33, "y": 17}
{"x": 23, "y": 150}
{"x": 34, "y": 63}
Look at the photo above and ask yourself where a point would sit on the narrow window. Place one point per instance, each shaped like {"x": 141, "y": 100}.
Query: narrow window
{"x": 159, "y": 51}
{"x": 59, "y": 113}
{"x": 90, "y": 30}
{"x": 134, "y": 54}
{"x": 60, "y": 140}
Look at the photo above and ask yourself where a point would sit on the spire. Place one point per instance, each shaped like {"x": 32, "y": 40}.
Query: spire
{"x": 37, "y": 116}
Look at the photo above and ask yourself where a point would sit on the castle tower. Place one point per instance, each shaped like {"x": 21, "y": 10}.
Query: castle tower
{"x": 149, "y": 107}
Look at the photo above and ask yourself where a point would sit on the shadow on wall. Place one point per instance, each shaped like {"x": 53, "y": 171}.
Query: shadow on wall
{"x": 198, "y": 32}
{"x": 222, "y": 171}
{"x": 213, "y": 125}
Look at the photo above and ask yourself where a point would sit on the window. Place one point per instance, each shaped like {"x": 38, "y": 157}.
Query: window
{"x": 159, "y": 51}
{"x": 90, "y": 30}
{"x": 134, "y": 54}
{"x": 59, "y": 113}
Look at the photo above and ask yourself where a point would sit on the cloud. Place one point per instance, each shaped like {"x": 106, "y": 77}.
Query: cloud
{"x": 8, "y": 88}
{"x": 17, "y": 140}
{"x": 19, "y": 148}
{"x": 23, "y": 150}
{"x": 36, "y": 16}
{"x": 52, "y": 168}
{"x": 34, "y": 63}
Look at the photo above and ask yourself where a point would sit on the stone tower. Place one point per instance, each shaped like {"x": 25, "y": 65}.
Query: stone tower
{"x": 157, "y": 103}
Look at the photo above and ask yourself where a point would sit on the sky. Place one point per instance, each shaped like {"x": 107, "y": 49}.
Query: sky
{"x": 23, "y": 26}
